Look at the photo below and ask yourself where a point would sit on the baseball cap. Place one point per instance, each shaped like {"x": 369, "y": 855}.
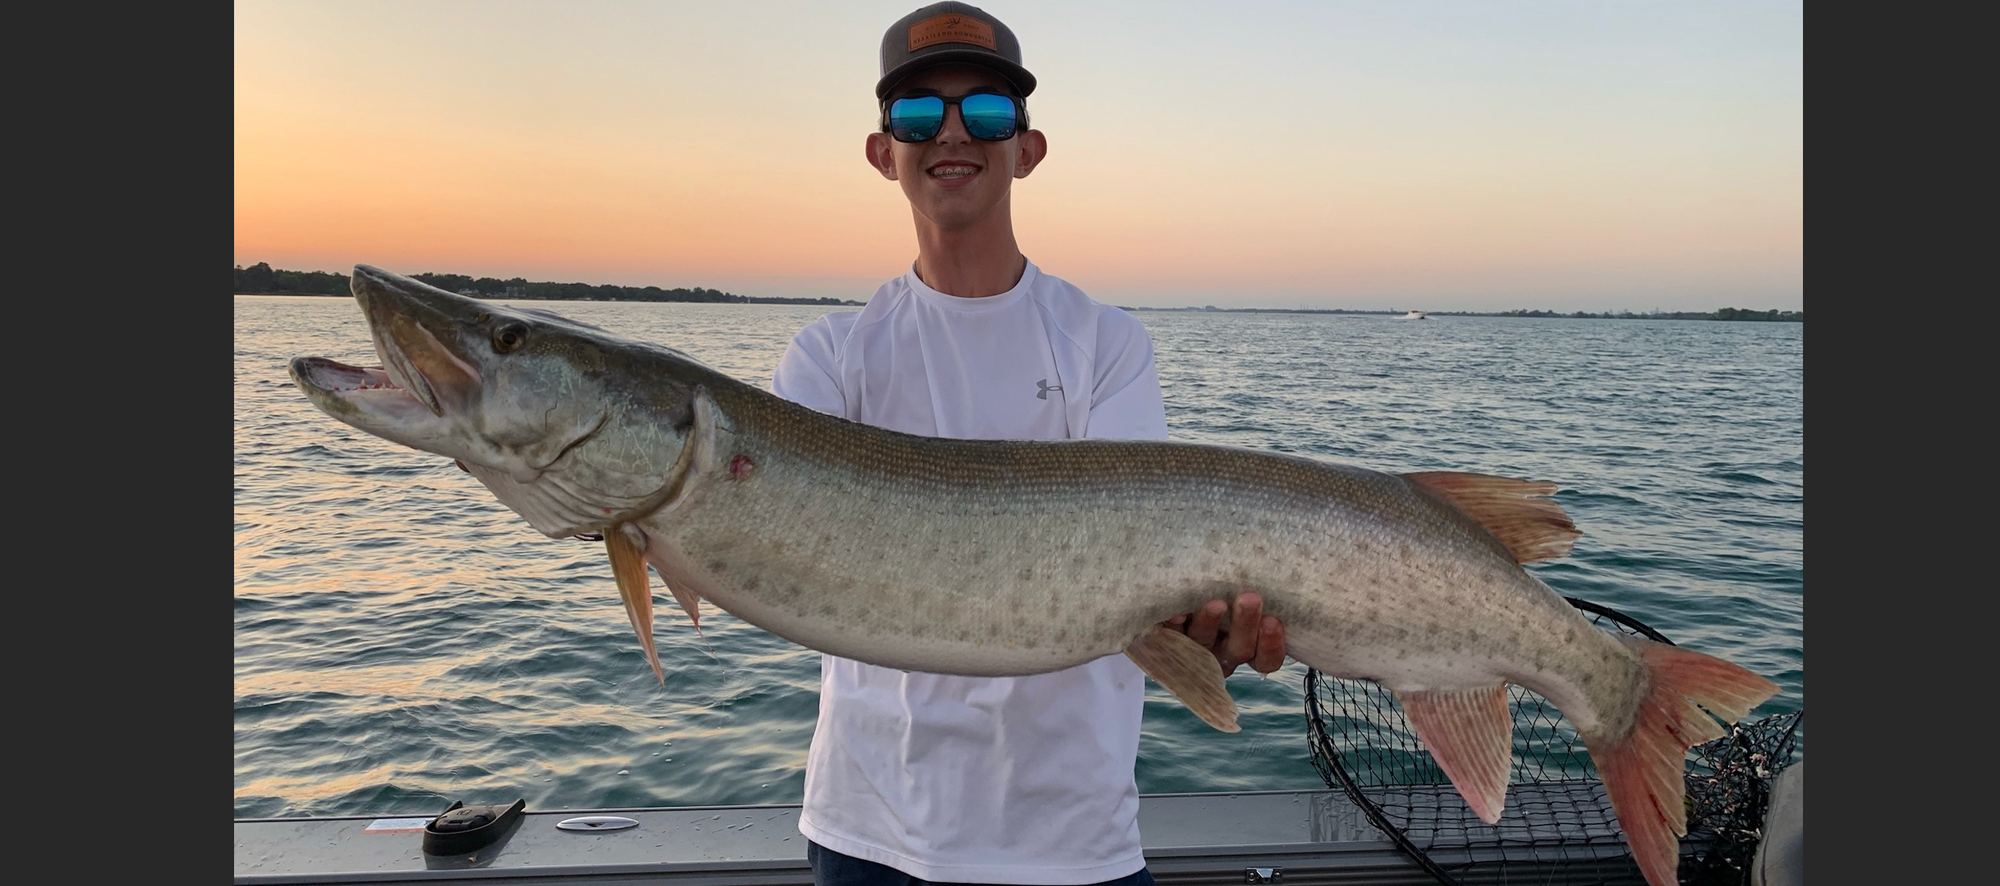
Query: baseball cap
{"x": 951, "y": 33}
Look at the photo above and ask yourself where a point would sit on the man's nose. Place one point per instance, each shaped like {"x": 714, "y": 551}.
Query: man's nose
{"x": 953, "y": 129}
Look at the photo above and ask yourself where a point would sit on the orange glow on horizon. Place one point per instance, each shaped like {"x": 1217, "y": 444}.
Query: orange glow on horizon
{"x": 534, "y": 140}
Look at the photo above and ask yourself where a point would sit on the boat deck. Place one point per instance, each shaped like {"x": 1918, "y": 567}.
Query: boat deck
{"x": 1288, "y": 837}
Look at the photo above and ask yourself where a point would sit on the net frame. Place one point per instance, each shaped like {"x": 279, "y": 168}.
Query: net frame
{"x": 1558, "y": 819}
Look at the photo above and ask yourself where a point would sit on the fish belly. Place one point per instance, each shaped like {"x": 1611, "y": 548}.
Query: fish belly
{"x": 965, "y": 576}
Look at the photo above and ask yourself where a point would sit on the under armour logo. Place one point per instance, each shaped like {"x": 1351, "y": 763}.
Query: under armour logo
{"x": 1043, "y": 394}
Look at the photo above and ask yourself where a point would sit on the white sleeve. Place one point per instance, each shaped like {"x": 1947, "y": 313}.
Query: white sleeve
{"x": 1125, "y": 400}
{"x": 805, "y": 375}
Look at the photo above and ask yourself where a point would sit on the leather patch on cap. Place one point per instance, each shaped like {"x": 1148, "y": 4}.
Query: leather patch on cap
{"x": 950, "y": 29}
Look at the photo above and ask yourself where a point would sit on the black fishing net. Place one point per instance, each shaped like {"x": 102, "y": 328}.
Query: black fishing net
{"x": 1558, "y": 826}
{"x": 1729, "y": 790}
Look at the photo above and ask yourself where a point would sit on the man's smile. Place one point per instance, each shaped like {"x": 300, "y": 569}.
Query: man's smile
{"x": 953, "y": 169}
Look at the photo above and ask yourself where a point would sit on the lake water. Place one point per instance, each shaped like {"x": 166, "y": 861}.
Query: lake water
{"x": 402, "y": 640}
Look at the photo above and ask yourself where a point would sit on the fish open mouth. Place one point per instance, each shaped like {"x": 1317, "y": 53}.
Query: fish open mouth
{"x": 366, "y": 389}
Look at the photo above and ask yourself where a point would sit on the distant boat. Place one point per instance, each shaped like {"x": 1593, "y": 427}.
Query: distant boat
{"x": 1416, "y": 315}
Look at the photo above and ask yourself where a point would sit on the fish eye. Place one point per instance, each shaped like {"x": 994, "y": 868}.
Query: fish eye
{"x": 509, "y": 337}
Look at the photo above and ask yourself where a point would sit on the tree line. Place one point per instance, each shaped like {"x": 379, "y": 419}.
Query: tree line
{"x": 262, "y": 279}
{"x": 1774, "y": 316}
{"x": 1723, "y": 314}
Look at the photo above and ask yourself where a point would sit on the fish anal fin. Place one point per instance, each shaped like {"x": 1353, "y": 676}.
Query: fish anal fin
{"x": 1517, "y": 512}
{"x": 628, "y": 566}
{"x": 1645, "y": 771}
{"x": 1471, "y": 735}
{"x": 1189, "y": 671}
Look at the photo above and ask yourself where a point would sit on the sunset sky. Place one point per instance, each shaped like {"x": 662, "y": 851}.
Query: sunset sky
{"x": 1594, "y": 156}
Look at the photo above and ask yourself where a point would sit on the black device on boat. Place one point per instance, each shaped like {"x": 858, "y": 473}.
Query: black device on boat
{"x": 463, "y": 828}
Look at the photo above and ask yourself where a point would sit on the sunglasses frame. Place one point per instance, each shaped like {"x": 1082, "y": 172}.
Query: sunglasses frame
{"x": 1020, "y": 114}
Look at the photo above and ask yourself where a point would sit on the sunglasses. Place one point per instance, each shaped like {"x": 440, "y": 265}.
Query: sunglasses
{"x": 988, "y": 116}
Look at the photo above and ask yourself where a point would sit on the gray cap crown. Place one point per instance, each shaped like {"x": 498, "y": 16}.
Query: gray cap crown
{"x": 951, "y": 33}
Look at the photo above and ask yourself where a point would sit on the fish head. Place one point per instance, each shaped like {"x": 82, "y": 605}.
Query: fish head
{"x": 563, "y": 421}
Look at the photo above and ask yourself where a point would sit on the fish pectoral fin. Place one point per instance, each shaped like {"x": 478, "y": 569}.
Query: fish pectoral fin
{"x": 1187, "y": 670}
{"x": 628, "y": 566}
{"x": 1517, "y": 512}
{"x": 690, "y": 602}
{"x": 1471, "y": 735}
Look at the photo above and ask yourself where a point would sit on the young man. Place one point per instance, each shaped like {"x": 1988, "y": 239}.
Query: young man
{"x": 917, "y": 777}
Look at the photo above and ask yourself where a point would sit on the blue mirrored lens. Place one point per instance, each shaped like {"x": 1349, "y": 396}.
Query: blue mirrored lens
{"x": 916, "y": 119}
{"x": 988, "y": 117}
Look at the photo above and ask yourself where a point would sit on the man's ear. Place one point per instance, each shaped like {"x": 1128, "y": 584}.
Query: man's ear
{"x": 881, "y": 154}
{"x": 1029, "y": 153}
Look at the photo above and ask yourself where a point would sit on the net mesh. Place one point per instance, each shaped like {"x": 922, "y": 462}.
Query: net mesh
{"x": 1558, "y": 820}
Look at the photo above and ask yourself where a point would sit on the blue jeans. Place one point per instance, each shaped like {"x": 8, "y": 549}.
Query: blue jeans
{"x": 831, "y": 868}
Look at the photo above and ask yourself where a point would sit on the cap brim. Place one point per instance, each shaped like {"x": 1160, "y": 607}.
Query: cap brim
{"x": 1015, "y": 75}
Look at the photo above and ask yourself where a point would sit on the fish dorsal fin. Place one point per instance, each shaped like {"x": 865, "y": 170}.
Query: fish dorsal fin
{"x": 1517, "y": 512}
{"x": 1471, "y": 735}
{"x": 1187, "y": 670}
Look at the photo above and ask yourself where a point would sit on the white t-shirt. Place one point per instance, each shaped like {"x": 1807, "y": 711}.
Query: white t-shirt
{"x": 980, "y": 779}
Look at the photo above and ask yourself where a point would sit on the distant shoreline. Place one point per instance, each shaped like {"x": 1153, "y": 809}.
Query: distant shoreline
{"x": 261, "y": 279}
{"x": 1724, "y": 315}
{"x": 738, "y": 300}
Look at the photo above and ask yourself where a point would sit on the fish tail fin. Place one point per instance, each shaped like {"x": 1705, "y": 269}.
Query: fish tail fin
{"x": 1471, "y": 735}
{"x": 1644, "y": 771}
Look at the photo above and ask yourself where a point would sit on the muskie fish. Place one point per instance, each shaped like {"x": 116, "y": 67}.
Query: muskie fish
{"x": 1021, "y": 557}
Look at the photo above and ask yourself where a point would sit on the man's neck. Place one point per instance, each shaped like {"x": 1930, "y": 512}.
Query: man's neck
{"x": 971, "y": 262}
